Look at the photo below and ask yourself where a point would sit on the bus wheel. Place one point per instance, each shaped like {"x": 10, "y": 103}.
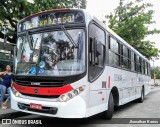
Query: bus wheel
{"x": 109, "y": 113}
{"x": 140, "y": 100}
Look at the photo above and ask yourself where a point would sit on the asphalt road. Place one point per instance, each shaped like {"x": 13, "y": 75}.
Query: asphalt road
{"x": 148, "y": 111}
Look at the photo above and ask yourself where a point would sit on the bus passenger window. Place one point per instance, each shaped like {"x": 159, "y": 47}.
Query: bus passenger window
{"x": 147, "y": 68}
{"x": 135, "y": 65}
{"x": 126, "y": 56}
{"x": 132, "y": 62}
{"x": 143, "y": 67}
{"x": 140, "y": 64}
{"x": 129, "y": 59}
{"x": 114, "y": 52}
{"x": 149, "y": 72}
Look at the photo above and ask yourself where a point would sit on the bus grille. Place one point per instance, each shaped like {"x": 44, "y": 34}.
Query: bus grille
{"x": 41, "y": 96}
{"x": 40, "y": 83}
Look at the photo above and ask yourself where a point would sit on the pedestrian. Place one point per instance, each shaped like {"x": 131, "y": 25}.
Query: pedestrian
{"x": 5, "y": 85}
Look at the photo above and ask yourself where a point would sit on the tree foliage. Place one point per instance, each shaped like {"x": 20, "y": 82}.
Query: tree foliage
{"x": 131, "y": 21}
{"x": 42, "y": 5}
{"x": 156, "y": 72}
{"x": 11, "y": 11}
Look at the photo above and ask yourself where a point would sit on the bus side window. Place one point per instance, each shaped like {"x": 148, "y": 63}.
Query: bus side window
{"x": 96, "y": 51}
{"x": 126, "y": 57}
{"x": 140, "y": 64}
{"x": 91, "y": 51}
{"x": 143, "y": 67}
{"x": 147, "y": 68}
{"x": 99, "y": 54}
{"x": 149, "y": 71}
{"x": 129, "y": 59}
{"x": 132, "y": 61}
{"x": 135, "y": 65}
{"x": 114, "y": 52}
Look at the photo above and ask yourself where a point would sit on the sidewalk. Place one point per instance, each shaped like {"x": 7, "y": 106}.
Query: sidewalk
{"x": 154, "y": 87}
{"x": 4, "y": 113}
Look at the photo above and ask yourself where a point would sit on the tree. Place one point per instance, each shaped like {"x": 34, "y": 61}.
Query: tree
{"x": 42, "y": 5}
{"x": 155, "y": 71}
{"x": 131, "y": 22}
{"x": 11, "y": 11}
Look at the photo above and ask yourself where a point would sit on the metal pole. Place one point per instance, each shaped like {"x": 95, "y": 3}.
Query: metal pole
{"x": 154, "y": 73}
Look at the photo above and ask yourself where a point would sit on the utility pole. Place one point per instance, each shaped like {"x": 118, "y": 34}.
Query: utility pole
{"x": 154, "y": 75}
{"x": 154, "y": 70}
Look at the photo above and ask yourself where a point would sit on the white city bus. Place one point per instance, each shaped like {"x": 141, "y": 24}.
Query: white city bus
{"x": 68, "y": 64}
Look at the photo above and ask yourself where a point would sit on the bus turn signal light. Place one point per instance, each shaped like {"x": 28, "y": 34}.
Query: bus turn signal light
{"x": 72, "y": 94}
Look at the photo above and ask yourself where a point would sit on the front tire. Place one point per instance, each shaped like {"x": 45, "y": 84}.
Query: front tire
{"x": 109, "y": 113}
{"x": 141, "y": 99}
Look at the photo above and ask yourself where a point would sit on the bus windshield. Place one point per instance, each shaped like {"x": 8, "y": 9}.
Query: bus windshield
{"x": 51, "y": 53}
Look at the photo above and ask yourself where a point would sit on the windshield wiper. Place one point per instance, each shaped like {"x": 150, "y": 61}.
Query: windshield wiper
{"x": 33, "y": 48}
{"x": 69, "y": 36}
{"x": 35, "y": 43}
{"x": 29, "y": 40}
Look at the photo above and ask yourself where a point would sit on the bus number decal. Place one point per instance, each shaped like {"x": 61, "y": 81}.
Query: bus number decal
{"x": 69, "y": 19}
{"x": 64, "y": 19}
{"x": 117, "y": 77}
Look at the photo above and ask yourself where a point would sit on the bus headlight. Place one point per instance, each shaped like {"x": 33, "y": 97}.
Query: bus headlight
{"x": 15, "y": 92}
{"x": 75, "y": 92}
{"x": 64, "y": 98}
{"x": 72, "y": 94}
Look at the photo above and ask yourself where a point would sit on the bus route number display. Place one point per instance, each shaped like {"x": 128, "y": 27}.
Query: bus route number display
{"x": 51, "y": 18}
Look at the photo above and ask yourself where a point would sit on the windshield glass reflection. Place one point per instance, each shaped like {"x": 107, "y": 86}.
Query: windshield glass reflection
{"x": 51, "y": 53}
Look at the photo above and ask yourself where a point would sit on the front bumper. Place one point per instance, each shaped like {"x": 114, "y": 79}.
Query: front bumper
{"x": 74, "y": 108}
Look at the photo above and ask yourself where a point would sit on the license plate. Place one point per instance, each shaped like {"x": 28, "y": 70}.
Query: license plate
{"x": 36, "y": 106}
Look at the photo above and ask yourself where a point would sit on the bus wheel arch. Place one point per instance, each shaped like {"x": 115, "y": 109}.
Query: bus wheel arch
{"x": 115, "y": 94}
{"x": 141, "y": 99}
{"x": 109, "y": 112}
{"x": 113, "y": 100}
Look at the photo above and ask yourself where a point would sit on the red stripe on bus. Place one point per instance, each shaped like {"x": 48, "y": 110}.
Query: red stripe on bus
{"x": 109, "y": 81}
{"x": 43, "y": 90}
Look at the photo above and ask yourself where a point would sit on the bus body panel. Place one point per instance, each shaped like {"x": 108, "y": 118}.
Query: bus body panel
{"x": 74, "y": 108}
{"x": 129, "y": 84}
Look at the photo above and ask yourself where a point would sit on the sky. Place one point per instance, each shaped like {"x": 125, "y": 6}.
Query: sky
{"x": 100, "y": 8}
